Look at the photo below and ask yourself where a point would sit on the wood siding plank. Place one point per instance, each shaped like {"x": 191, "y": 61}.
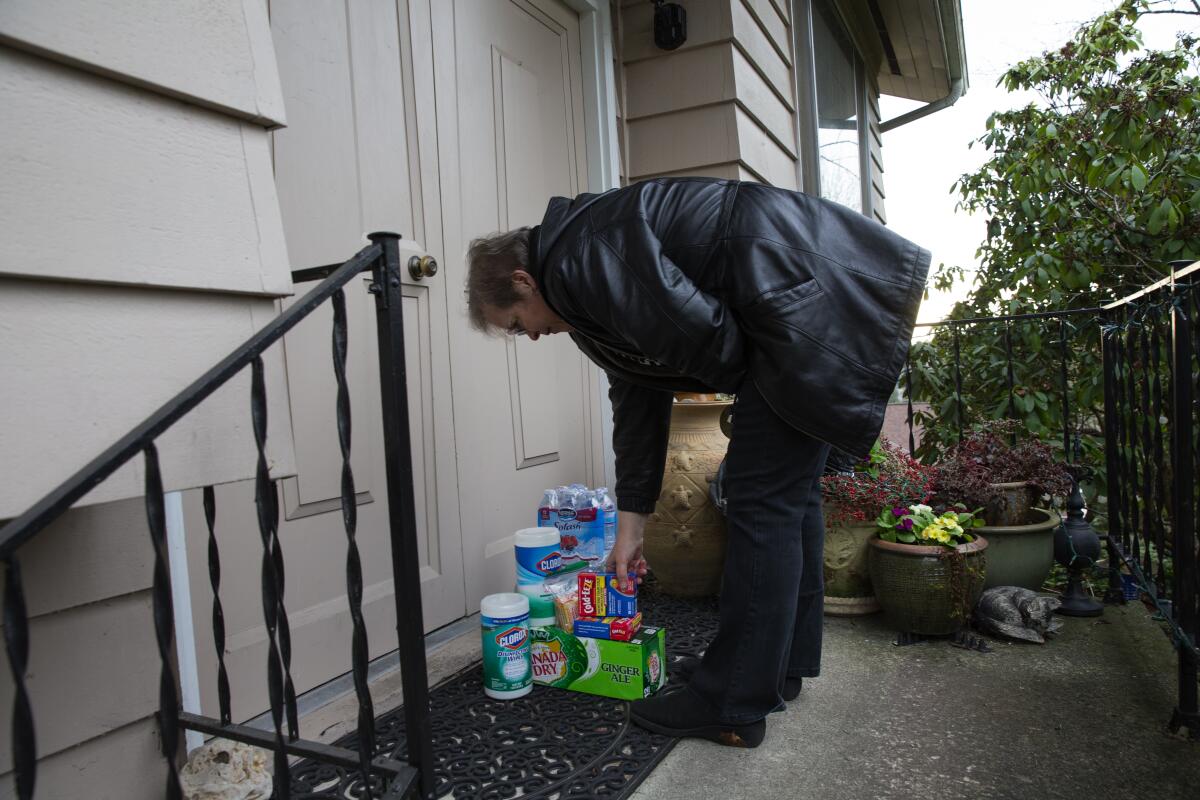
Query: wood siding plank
{"x": 731, "y": 171}
{"x": 126, "y": 763}
{"x": 105, "y": 182}
{"x": 763, "y": 154}
{"x": 708, "y": 21}
{"x": 761, "y": 53}
{"x": 683, "y": 140}
{"x": 87, "y": 555}
{"x": 775, "y": 27}
{"x": 759, "y": 101}
{"x": 216, "y": 53}
{"x": 698, "y": 77}
{"x": 83, "y": 364}
{"x": 91, "y": 671}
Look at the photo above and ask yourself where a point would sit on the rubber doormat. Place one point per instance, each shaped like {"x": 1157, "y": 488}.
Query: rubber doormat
{"x": 550, "y": 744}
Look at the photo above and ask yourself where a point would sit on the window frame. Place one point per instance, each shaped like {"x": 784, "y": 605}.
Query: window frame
{"x": 807, "y": 133}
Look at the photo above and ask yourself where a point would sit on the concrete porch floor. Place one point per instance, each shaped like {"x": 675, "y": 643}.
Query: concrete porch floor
{"x": 1083, "y": 716}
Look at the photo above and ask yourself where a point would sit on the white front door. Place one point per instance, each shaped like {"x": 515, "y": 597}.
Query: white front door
{"x": 511, "y": 134}
{"x": 442, "y": 121}
{"x": 356, "y": 157}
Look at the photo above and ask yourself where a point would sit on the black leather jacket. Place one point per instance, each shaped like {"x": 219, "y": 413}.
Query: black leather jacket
{"x": 693, "y": 284}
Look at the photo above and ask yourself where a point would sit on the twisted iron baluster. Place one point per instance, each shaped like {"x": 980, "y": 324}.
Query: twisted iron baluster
{"x": 164, "y": 622}
{"x": 218, "y": 614}
{"x": 1148, "y": 466}
{"x": 1158, "y": 411}
{"x": 354, "y": 577}
{"x": 285, "y": 631}
{"x": 958, "y": 381}
{"x": 264, "y": 504}
{"x": 16, "y": 642}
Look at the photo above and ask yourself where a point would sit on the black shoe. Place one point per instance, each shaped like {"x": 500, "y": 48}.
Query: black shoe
{"x": 682, "y": 713}
{"x": 791, "y": 688}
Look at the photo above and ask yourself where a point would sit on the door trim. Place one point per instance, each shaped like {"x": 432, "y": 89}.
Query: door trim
{"x": 603, "y": 173}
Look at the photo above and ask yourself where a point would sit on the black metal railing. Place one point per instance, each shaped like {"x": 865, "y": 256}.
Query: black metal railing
{"x": 380, "y": 776}
{"x": 1150, "y": 390}
{"x": 1147, "y": 425}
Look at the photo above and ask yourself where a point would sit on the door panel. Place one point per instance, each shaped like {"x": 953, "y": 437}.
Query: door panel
{"x": 508, "y": 86}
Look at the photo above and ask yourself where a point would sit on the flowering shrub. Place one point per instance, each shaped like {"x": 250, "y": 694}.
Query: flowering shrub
{"x": 985, "y": 457}
{"x": 920, "y": 524}
{"x": 887, "y": 477}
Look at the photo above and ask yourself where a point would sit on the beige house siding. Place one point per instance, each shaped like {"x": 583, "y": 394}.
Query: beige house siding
{"x": 142, "y": 243}
{"x": 875, "y": 154}
{"x": 722, "y": 105}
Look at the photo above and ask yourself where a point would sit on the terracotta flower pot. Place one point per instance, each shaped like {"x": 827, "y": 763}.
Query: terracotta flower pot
{"x": 685, "y": 536}
{"x": 848, "y": 589}
{"x": 1021, "y": 555}
{"x": 928, "y": 590}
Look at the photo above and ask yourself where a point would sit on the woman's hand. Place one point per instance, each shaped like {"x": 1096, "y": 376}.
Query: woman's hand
{"x": 626, "y": 557}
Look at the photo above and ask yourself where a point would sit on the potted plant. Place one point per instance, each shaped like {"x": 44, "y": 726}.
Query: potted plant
{"x": 887, "y": 477}
{"x": 1007, "y": 480}
{"x": 928, "y": 567}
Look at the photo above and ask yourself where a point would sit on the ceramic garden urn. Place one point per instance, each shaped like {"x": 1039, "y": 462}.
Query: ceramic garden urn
{"x": 685, "y": 536}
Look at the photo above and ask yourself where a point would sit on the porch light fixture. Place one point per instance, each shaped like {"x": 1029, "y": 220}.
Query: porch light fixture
{"x": 670, "y": 25}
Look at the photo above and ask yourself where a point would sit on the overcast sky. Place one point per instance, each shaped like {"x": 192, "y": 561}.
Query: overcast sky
{"x": 923, "y": 159}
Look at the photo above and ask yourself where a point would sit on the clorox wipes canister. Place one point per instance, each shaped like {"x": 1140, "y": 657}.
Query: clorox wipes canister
{"x": 539, "y": 555}
{"x": 507, "y": 673}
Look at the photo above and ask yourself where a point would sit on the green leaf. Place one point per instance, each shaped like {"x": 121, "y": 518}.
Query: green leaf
{"x": 1137, "y": 177}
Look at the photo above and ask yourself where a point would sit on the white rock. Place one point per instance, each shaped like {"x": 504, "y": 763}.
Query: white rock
{"x": 225, "y": 770}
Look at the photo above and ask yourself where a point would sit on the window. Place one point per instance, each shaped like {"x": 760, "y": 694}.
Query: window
{"x": 836, "y": 106}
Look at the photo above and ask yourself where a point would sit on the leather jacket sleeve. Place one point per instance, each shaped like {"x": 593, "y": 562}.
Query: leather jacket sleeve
{"x": 652, "y": 304}
{"x": 641, "y": 423}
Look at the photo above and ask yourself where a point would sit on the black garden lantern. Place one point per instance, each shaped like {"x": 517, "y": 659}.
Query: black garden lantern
{"x": 1076, "y": 547}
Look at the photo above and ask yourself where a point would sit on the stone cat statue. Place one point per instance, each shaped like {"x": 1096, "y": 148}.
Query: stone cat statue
{"x": 1017, "y": 614}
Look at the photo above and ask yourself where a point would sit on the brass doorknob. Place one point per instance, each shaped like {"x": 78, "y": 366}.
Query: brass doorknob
{"x": 422, "y": 267}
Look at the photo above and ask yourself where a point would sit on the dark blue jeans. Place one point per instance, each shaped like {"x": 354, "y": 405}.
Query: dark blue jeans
{"x": 772, "y": 588}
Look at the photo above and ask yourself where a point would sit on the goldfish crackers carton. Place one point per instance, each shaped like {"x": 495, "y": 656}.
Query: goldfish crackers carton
{"x": 621, "y": 629}
{"x": 600, "y": 595}
{"x": 623, "y": 670}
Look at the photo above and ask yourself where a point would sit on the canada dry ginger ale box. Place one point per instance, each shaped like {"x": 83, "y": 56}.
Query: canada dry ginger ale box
{"x": 624, "y": 670}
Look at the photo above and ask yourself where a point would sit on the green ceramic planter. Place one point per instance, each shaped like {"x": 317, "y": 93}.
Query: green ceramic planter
{"x": 1021, "y": 555}
{"x": 917, "y": 585}
{"x": 847, "y": 574}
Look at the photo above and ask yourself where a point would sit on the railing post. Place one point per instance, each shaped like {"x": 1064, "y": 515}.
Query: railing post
{"x": 1187, "y": 713}
{"x": 410, "y": 630}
